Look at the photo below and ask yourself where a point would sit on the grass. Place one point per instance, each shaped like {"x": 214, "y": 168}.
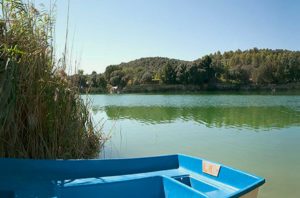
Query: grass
{"x": 41, "y": 112}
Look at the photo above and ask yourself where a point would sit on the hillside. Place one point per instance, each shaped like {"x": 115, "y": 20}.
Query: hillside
{"x": 257, "y": 66}
{"x": 250, "y": 67}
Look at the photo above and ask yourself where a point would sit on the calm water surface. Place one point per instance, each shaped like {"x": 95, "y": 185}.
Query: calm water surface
{"x": 255, "y": 133}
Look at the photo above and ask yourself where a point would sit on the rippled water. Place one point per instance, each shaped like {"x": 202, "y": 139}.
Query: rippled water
{"x": 256, "y": 133}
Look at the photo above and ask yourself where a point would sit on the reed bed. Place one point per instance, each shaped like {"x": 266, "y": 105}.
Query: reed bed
{"x": 41, "y": 112}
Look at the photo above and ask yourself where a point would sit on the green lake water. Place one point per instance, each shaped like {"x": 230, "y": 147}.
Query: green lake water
{"x": 259, "y": 134}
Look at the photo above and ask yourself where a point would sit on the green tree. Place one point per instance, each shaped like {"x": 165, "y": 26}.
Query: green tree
{"x": 101, "y": 81}
{"x": 209, "y": 73}
{"x": 146, "y": 78}
{"x": 109, "y": 70}
{"x": 94, "y": 79}
{"x": 118, "y": 78}
{"x": 181, "y": 74}
{"x": 168, "y": 74}
{"x": 82, "y": 79}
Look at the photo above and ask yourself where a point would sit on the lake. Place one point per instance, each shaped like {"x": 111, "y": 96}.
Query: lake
{"x": 259, "y": 134}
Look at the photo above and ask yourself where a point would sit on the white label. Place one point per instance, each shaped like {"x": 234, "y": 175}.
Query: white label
{"x": 210, "y": 168}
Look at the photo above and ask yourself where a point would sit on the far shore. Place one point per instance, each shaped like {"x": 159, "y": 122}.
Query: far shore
{"x": 208, "y": 88}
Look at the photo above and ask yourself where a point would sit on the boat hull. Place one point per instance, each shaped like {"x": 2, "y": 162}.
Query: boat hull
{"x": 165, "y": 176}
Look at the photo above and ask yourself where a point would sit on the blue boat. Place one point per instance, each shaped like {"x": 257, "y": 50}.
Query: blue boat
{"x": 150, "y": 177}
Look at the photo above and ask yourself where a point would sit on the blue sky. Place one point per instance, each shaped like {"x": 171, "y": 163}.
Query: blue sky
{"x": 105, "y": 32}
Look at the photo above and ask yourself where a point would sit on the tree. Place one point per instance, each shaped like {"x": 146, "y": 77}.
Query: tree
{"x": 168, "y": 74}
{"x": 94, "y": 79}
{"x": 82, "y": 79}
{"x": 109, "y": 70}
{"x": 209, "y": 73}
{"x": 239, "y": 75}
{"x": 146, "y": 78}
{"x": 101, "y": 82}
{"x": 80, "y": 72}
{"x": 181, "y": 74}
{"x": 118, "y": 78}
{"x": 245, "y": 67}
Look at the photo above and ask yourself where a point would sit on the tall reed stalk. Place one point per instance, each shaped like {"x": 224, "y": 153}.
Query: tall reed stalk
{"x": 41, "y": 113}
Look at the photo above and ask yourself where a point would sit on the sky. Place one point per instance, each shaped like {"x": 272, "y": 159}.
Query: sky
{"x": 106, "y": 32}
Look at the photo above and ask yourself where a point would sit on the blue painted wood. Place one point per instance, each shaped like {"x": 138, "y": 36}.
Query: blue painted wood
{"x": 162, "y": 176}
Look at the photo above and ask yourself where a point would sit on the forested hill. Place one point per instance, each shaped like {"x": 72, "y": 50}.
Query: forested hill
{"x": 254, "y": 66}
{"x": 151, "y": 63}
{"x": 251, "y": 66}
{"x": 140, "y": 71}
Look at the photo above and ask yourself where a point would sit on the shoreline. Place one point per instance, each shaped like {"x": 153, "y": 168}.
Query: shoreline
{"x": 293, "y": 88}
{"x": 212, "y": 88}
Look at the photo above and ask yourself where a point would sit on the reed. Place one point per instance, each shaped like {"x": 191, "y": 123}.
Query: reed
{"x": 41, "y": 112}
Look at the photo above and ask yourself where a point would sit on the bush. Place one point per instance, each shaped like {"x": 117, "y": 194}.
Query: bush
{"x": 42, "y": 114}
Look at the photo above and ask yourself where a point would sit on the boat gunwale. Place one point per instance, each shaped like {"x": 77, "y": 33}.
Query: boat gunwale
{"x": 175, "y": 163}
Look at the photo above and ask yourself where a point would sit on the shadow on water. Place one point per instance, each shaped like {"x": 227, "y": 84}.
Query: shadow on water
{"x": 265, "y": 118}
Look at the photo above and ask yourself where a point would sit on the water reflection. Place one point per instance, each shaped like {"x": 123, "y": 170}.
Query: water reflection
{"x": 237, "y": 117}
{"x": 222, "y": 128}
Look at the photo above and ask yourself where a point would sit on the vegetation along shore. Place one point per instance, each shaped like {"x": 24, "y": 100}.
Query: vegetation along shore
{"x": 42, "y": 113}
{"x": 249, "y": 70}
